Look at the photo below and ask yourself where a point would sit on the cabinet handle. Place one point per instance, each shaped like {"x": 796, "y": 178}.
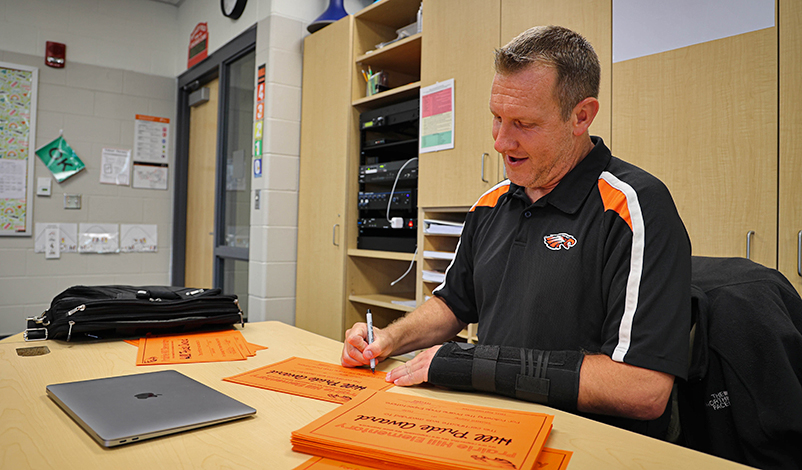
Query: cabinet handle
{"x": 334, "y": 235}
{"x": 799, "y": 253}
{"x": 483, "y": 166}
{"x": 749, "y": 236}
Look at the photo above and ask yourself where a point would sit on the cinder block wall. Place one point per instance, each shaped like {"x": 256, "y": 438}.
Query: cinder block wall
{"x": 274, "y": 226}
{"x": 96, "y": 108}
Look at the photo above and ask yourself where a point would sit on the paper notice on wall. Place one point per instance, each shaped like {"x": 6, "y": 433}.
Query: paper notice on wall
{"x": 52, "y": 243}
{"x": 147, "y": 176}
{"x": 151, "y": 139}
{"x": 437, "y": 117}
{"x": 138, "y": 238}
{"x": 68, "y": 237}
{"x": 12, "y": 178}
{"x": 98, "y": 238}
{"x": 115, "y": 166}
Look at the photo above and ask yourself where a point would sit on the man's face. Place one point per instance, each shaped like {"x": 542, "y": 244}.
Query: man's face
{"x": 537, "y": 145}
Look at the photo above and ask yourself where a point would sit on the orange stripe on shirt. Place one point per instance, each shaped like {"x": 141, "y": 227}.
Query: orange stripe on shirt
{"x": 491, "y": 198}
{"x": 614, "y": 199}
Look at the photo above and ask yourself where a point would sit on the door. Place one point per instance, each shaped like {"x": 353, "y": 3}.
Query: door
{"x": 202, "y": 168}
{"x": 211, "y": 216}
{"x": 233, "y": 199}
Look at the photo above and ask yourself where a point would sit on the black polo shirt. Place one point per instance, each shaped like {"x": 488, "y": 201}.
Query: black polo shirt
{"x": 600, "y": 264}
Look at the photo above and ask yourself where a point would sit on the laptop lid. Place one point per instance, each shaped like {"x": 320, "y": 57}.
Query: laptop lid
{"x": 130, "y": 408}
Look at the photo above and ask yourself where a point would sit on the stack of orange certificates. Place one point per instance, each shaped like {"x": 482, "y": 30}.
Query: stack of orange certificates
{"x": 394, "y": 431}
{"x": 211, "y": 346}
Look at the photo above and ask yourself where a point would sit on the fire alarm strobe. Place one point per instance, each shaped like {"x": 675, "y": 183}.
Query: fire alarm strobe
{"x": 55, "y": 54}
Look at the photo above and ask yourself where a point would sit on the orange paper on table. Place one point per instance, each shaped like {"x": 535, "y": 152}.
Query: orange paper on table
{"x": 549, "y": 459}
{"x": 394, "y": 431}
{"x": 214, "y": 346}
{"x": 313, "y": 379}
{"x": 252, "y": 348}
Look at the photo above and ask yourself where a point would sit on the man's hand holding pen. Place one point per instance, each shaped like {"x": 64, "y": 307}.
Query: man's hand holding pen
{"x": 358, "y": 351}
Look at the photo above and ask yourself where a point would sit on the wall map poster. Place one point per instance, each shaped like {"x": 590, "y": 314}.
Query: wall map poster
{"x": 17, "y": 132}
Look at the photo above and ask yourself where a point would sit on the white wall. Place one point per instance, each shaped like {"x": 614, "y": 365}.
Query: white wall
{"x": 136, "y": 35}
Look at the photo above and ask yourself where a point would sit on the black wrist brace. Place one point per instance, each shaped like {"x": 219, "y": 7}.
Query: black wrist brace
{"x": 548, "y": 377}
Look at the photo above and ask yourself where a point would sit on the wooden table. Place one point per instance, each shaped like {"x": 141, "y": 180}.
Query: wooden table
{"x": 35, "y": 433}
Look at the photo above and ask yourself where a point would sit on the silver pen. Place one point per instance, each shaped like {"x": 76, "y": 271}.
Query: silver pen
{"x": 370, "y": 340}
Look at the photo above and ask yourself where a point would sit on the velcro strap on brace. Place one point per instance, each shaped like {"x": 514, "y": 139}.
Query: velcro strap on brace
{"x": 533, "y": 386}
{"x": 483, "y": 372}
{"x": 550, "y": 377}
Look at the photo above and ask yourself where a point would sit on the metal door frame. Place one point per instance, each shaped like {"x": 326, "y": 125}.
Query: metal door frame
{"x": 214, "y": 66}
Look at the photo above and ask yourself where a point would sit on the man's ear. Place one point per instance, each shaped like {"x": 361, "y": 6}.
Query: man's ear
{"x": 584, "y": 113}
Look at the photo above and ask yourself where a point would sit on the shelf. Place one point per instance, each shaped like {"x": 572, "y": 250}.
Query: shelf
{"x": 401, "y": 93}
{"x": 393, "y": 13}
{"x": 389, "y": 255}
{"x": 452, "y": 235}
{"x": 383, "y": 300}
{"x": 403, "y": 56}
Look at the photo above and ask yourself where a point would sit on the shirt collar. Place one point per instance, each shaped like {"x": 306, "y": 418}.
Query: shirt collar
{"x": 577, "y": 184}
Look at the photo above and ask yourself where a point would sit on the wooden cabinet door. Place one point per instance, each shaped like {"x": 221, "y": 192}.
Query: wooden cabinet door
{"x": 790, "y": 223}
{"x": 590, "y": 18}
{"x": 324, "y": 174}
{"x": 703, "y": 119}
{"x": 458, "y": 42}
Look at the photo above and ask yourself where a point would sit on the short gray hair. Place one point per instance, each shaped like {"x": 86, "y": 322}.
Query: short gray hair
{"x": 570, "y": 54}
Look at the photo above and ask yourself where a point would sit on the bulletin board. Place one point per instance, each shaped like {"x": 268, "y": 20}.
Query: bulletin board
{"x": 18, "y": 86}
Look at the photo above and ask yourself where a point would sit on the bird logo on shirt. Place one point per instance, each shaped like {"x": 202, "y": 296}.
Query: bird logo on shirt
{"x": 556, "y": 241}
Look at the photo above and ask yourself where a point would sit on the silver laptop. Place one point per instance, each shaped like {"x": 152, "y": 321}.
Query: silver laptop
{"x": 130, "y": 408}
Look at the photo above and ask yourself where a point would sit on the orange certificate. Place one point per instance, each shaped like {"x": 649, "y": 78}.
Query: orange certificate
{"x": 252, "y": 348}
{"x": 549, "y": 459}
{"x": 313, "y": 379}
{"x": 389, "y": 431}
{"x": 215, "y": 346}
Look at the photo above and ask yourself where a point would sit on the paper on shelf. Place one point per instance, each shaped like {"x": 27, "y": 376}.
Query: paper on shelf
{"x": 405, "y": 303}
{"x": 433, "y": 276}
{"x": 438, "y": 254}
{"x": 441, "y": 227}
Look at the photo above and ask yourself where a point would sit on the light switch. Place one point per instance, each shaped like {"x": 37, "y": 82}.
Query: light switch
{"x": 72, "y": 201}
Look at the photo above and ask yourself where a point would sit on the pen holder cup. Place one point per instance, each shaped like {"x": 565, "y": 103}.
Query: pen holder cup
{"x": 376, "y": 84}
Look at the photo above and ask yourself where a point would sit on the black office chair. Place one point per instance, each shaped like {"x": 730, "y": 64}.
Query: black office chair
{"x": 743, "y": 397}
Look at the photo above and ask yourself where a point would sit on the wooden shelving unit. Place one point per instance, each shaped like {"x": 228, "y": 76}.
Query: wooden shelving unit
{"x": 369, "y": 273}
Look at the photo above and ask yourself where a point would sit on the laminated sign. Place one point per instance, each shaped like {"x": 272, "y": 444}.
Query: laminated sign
{"x": 60, "y": 159}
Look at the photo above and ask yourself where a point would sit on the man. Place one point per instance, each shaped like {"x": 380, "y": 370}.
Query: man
{"x": 577, "y": 269}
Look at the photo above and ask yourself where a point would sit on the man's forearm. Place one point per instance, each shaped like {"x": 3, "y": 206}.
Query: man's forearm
{"x": 569, "y": 380}
{"x": 619, "y": 389}
{"x": 431, "y": 323}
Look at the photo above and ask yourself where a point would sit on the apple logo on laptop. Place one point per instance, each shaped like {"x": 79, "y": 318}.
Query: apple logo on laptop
{"x": 145, "y": 395}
